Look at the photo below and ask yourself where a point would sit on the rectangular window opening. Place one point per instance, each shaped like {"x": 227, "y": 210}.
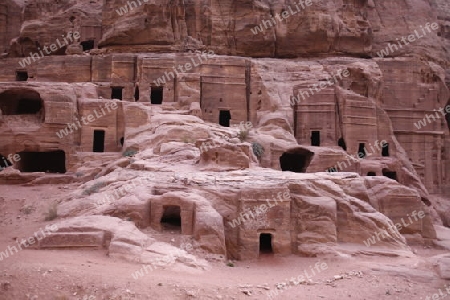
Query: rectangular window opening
{"x": 116, "y": 93}
{"x": 21, "y": 75}
{"x": 171, "y": 218}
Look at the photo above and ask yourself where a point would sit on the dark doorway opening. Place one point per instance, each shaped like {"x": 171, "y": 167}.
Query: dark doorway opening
{"x": 371, "y": 174}
{"x": 28, "y": 107}
{"x": 224, "y": 118}
{"x": 4, "y": 162}
{"x": 21, "y": 75}
{"x": 88, "y": 45}
{"x": 390, "y": 174}
{"x": 315, "y": 138}
{"x": 122, "y": 140}
{"x": 362, "y": 150}
{"x": 51, "y": 162}
{"x": 265, "y": 243}
{"x": 385, "y": 149}
{"x": 136, "y": 94}
{"x": 171, "y": 218}
{"x": 99, "y": 141}
{"x": 156, "y": 94}
{"x": 341, "y": 143}
{"x": 116, "y": 92}
{"x": 296, "y": 161}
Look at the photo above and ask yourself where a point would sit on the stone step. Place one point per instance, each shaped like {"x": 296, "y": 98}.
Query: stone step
{"x": 89, "y": 239}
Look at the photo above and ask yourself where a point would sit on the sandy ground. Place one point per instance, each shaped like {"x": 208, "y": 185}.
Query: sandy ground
{"x": 91, "y": 274}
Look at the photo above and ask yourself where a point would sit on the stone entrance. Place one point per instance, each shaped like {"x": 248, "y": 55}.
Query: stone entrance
{"x": 265, "y": 243}
{"x": 171, "y": 218}
{"x": 99, "y": 141}
{"x": 296, "y": 160}
{"x": 224, "y": 118}
{"x": 173, "y": 213}
{"x": 390, "y": 174}
{"x": 88, "y": 45}
{"x": 315, "y": 138}
{"x": 116, "y": 92}
{"x": 156, "y": 95}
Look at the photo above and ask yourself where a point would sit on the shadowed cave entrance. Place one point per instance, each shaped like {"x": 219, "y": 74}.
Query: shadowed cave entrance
{"x": 171, "y": 218}
{"x": 116, "y": 92}
{"x": 296, "y": 160}
{"x": 315, "y": 138}
{"x": 390, "y": 174}
{"x": 265, "y": 243}
{"x": 20, "y": 102}
{"x": 51, "y": 162}
{"x": 88, "y": 45}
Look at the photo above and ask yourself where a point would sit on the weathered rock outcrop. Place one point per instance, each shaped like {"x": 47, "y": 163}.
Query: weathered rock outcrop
{"x": 361, "y": 28}
{"x": 156, "y": 135}
{"x": 306, "y": 214}
{"x": 122, "y": 240}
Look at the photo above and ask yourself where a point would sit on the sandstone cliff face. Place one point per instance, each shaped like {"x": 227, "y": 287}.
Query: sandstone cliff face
{"x": 349, "y": 27}
{"x": 10, "y": 23}
{"x": 345, "y": 27}
{"x": 45, "y": 22}
{"x": 165, "y": 118}
{"x": 314, "y": 215}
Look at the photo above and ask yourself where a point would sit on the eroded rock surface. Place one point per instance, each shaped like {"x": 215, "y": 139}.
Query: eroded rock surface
{"x": 154, "y": 123}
